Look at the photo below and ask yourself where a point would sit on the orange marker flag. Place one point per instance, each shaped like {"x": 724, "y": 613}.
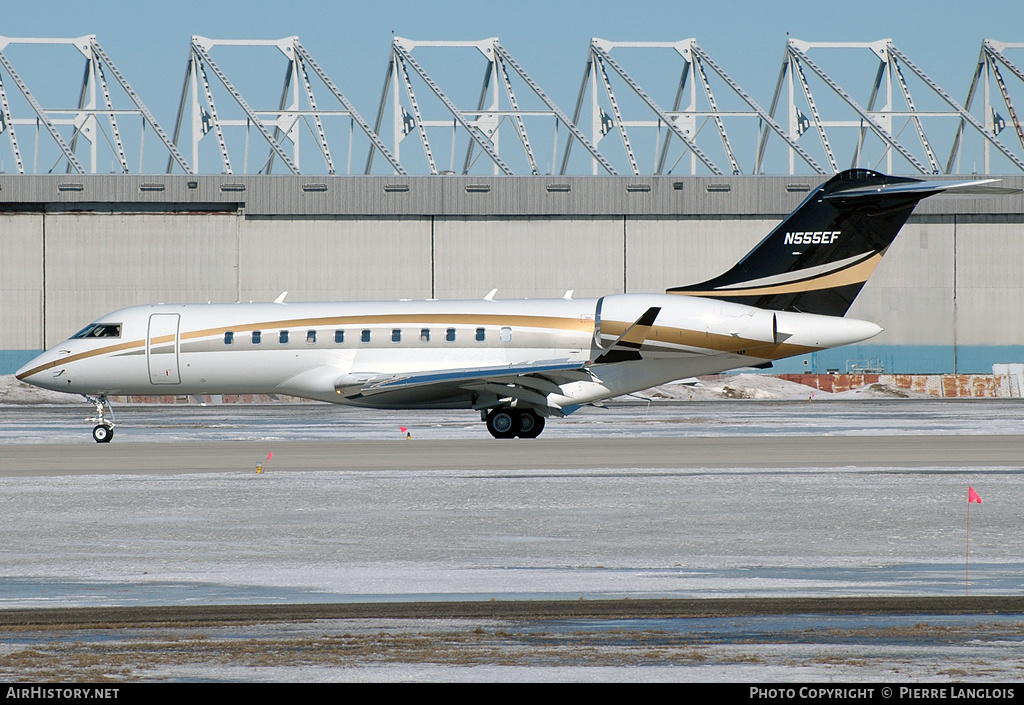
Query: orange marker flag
{"x": 972, "y": 496}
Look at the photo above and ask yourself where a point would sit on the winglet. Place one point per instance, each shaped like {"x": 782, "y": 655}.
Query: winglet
{"x": 627, "y": 347}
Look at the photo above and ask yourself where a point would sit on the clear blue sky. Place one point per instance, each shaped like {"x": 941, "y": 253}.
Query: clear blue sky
{"x": 149, "y": 41}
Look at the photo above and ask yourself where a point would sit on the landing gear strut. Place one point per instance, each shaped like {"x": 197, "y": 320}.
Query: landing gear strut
{"x": 104, "y": 430}
{"x": 505, "y": 422}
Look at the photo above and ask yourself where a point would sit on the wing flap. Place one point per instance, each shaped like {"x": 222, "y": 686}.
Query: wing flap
{"x": 462, "y": 378}
{"x": 515, "y": 391}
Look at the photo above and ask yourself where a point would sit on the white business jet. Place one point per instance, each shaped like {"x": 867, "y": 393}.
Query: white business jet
{"x": 518, "y": 362}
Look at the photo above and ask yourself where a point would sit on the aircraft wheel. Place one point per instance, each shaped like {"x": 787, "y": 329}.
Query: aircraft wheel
{"x": 103, "y": 433}
{"x": 531, "y": 424}
{"x": 503, "y": 423}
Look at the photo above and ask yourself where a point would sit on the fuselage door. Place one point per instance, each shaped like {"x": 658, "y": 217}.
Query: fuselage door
{"x": 162, "y": 345}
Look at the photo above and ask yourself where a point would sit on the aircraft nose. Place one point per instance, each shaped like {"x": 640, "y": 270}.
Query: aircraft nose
{"x": 25, "y": 370}
{"x": 31, "y": 371}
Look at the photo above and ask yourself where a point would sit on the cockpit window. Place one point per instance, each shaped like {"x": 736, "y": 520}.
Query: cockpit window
{"x": 100, "y": 330}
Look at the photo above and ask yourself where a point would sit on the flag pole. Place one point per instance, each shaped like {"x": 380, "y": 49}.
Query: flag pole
{"x": 967, "y": 558}
{"x": 972, "y": 496}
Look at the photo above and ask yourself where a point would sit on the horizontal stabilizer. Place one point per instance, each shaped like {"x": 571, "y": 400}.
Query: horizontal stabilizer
{"x": 977, "y": 187}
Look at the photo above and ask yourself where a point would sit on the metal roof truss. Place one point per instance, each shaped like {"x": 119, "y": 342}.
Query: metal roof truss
{"x": 497, "y": 104}
{"x": 279, "y": 127}
{"x": 94, "y": 120}
{"x": 993, "y": 54}
{"x": 889, "y": 122}
{"x": 684, "y": 123}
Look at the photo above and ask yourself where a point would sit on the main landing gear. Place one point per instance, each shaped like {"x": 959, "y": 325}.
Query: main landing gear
{"x": 104, "y": 430}
{"x": 505, "y": 422}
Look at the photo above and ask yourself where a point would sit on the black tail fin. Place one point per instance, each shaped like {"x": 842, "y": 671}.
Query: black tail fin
{"x": 821, "y": 255}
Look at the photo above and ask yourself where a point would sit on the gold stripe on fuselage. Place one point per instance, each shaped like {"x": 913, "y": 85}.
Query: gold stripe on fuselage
{"x": 658, "y": 334}
{"x": 857, "y": 274}
{"x": 82, "y": 356}
{"x": 560, "y": 323}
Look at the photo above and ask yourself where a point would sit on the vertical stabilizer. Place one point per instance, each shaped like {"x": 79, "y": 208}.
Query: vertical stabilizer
{"x": 819, "y": 257}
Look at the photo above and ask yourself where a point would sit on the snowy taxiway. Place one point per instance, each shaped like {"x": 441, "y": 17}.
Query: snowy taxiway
{"x": 160, "y": 532}
{"x": 757, "y": 527}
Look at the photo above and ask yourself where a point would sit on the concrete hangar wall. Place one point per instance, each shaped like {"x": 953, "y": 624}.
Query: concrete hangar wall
{"x": 950, "y": 292}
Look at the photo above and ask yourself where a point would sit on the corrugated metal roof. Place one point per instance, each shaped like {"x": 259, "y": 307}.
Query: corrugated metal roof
{"x": 446, "y": 195}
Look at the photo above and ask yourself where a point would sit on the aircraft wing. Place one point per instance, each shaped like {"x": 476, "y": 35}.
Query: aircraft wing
{"x": 531, "y": 383}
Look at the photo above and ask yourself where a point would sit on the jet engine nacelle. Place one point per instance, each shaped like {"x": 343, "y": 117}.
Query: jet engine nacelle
{"x": 724, "y": 325}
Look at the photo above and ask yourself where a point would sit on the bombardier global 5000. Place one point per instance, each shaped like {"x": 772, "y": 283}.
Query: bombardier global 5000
{"x": 517, "y": 362}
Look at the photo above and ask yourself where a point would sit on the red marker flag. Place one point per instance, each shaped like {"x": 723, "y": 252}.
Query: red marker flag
{"x": 403, "y": 429}
{"x": 271, "y": 455}
{"x": 972, "y": 496}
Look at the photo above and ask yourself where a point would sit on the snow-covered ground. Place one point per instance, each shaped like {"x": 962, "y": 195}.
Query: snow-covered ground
{"x": 338, "y": 535}
{"x": 744, "y": 405}
{"x": 486, "y": 513}
{"x": 814, "y": 650}
{"x": 239, "y": 537}
{"x": 593, "y": 533}
{"x": 301, "y": 537}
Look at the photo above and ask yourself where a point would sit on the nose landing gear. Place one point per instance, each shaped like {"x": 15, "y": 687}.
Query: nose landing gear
{"x": 102, "y": 433}
{"x": 104, "y": 429}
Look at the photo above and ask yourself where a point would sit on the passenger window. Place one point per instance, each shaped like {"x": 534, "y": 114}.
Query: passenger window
{"x": 365, "y": 337}
{"x": 396, "y": 335}
{"x": 282, "y": 337}
{"x": 506, "y": 334}
{"x": 450, "y": 335}
{"x": 310, "y": 337}
{"x": 339, "y": 336}
{"x": 424, "y": 335}
{"x": 257, "y": 337}
{"x": 229, "y": 337}
{"x": 481, "y": 334}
